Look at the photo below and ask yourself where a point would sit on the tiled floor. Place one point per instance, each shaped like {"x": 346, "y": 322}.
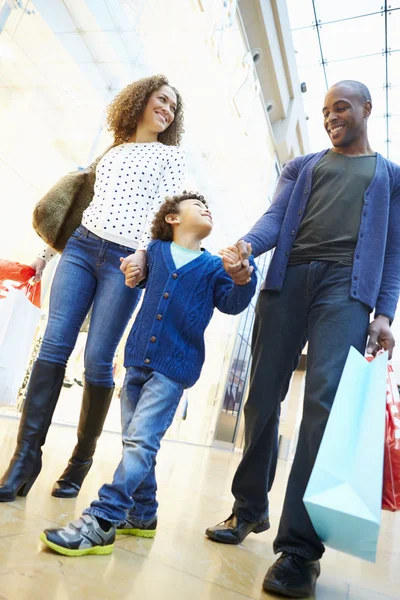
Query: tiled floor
{"x": 180, "y": 563}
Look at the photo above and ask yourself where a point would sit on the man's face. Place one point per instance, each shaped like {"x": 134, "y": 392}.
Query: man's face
{"x": 345, "y": 115}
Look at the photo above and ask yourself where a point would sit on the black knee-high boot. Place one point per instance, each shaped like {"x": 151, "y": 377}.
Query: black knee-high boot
{"x": 41, "y": 399}
{"x": 95, "y": 404}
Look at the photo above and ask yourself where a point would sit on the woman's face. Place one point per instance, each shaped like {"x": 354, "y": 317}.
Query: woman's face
{"x": 160, "y": 110}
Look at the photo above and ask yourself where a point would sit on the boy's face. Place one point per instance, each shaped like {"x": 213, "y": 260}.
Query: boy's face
{"x": 194, "y": 216}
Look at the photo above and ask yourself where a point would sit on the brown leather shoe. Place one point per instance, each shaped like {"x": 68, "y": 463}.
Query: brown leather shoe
{"x": 292, "y": 576}
{"x": 234, "y": 530}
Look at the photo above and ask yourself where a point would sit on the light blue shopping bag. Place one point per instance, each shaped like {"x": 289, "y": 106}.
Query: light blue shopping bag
{"x": 344, "y": 495}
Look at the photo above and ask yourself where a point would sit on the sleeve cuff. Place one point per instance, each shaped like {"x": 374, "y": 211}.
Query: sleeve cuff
{"x": 47, "y": 254}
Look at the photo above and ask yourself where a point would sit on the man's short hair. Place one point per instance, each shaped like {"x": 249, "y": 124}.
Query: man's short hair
{"x": 362, "y": 90}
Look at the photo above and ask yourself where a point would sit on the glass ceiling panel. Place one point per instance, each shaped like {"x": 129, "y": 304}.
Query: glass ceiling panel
{"x": 394, "y": 101}
{"x": 306, "y": 46}
{"x": 377, "y": 133}
{"x": 370, "y": 70}
{"x": 394, "y": 68}
{"x": 356, "y": 37}
{"x": 393, "y": 30}
{"x": 352, "y": 36}
{"x": 394, "y": 132}
{"x": 343, "y": 9}
{"x": 316, "y": 131}
{"x": 314, "y": 77}
{"x": 301, "y": 14}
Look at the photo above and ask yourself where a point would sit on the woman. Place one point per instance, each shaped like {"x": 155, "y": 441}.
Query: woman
{"x": 132, "y": 180}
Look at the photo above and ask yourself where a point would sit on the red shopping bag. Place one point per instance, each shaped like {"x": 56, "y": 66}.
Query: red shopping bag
{"x": 391, "y": 472}
{"x": 20, "y": 274}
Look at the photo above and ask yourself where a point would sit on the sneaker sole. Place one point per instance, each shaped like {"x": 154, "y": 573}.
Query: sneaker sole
{"x": 96, "y": 550}
{"x": 145, "y": 533}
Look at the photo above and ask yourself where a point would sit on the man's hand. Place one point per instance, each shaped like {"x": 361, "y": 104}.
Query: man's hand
{"x": 238, "y": 269}
{"x": 134, "y": 267}
{"x": 39, "y": 265}
{"x": 380, "y": 336}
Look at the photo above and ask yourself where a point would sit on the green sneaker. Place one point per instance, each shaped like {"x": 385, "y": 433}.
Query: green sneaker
{"x": 132, "y": 526}
{"x": 81, "y": 537}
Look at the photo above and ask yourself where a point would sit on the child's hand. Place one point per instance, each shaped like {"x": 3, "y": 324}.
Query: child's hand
{"x": 134, "y": 267}
{"x": 132, "y": 275}
{"x": 234, "y": 266}
{"x": 230, "y": 255}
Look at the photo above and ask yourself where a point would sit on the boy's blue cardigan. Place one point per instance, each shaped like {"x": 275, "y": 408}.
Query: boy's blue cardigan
{"x": 168, "y": 332}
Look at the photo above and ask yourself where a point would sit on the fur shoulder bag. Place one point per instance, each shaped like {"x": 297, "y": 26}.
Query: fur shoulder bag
{"x": 59, "y": 212}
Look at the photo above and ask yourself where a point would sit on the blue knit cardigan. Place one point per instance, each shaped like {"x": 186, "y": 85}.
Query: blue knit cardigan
{"x": 168, "y": 332}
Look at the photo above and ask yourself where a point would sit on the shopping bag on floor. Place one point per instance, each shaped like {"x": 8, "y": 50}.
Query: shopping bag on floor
{"x": 391, "y": 468}
{"x": 344, "y": 495}
{"x": 19, "y": 318}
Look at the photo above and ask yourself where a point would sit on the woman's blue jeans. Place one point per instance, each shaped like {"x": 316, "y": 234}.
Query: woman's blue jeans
{"x": 89, "y": 274}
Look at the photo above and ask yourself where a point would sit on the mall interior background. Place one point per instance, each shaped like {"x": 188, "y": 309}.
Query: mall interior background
{"x": 247, "y": 112}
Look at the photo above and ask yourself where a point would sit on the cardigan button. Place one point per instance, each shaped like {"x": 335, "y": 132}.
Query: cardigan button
{"x": 293, "y": 232}
{"x": 159, "y": 317}
{"x": 306, "y": 191}
{"x": 277, "y": 287}
{"x": 174, "y": 275}
{"x": 282, "y": 273}
{"x": 287, "y": 253}
{"x": 300, "y": 212}
{"x": 147, "y": 361}
{"x": 153, "y": 339}
{"x": 166, "y": 295}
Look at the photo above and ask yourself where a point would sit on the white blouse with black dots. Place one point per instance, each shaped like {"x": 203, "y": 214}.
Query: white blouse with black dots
{"x": 132, "y": 181}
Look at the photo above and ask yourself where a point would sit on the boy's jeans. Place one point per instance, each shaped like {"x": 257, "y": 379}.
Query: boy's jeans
{"x": 148, "y": 404}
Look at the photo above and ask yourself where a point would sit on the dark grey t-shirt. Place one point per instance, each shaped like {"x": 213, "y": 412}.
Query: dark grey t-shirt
{"x": 329, "y": 229}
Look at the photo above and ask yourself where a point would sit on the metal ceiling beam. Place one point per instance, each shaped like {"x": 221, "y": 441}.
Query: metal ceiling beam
{"x": 387, "y": 115}
{"x": 323, "y": 61}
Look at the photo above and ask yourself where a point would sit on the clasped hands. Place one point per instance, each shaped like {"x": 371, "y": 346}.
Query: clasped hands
{"x": 236, "y": 262}
{"x": 134, "y": 267}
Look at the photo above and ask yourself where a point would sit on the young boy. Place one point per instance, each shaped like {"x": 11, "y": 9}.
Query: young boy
{"x": 164, "y": 355}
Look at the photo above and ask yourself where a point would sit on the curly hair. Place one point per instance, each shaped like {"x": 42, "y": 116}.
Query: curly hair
{"x": 160, "y": 229}
{"x": 126, "y": 109}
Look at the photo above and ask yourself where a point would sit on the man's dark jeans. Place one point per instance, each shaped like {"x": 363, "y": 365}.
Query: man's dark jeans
{"x": 315, "y": 306}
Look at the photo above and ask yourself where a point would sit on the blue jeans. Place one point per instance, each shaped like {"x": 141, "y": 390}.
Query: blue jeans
{"x": 148, "y": 404}
{"x": 315, "y": 306}
{"x": 88, "y": 273}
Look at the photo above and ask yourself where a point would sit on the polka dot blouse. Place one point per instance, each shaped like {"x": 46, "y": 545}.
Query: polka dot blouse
{"x": 132, "y": 181}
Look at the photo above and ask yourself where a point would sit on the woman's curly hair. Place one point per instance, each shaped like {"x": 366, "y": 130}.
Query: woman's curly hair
{"x": 126, "y": 109}
{"x": 160, "y": 229}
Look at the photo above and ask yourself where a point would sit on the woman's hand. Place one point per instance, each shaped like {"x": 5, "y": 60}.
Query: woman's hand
{"x": 39, "y": 265}
{"x": 134, "y": 267}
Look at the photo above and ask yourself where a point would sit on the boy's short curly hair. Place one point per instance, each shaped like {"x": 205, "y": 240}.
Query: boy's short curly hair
{"x": 128, "y": 106}
{"x": 161, "y": 230}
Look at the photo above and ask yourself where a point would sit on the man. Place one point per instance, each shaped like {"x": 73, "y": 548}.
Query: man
{"x": 334, "y": 223}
